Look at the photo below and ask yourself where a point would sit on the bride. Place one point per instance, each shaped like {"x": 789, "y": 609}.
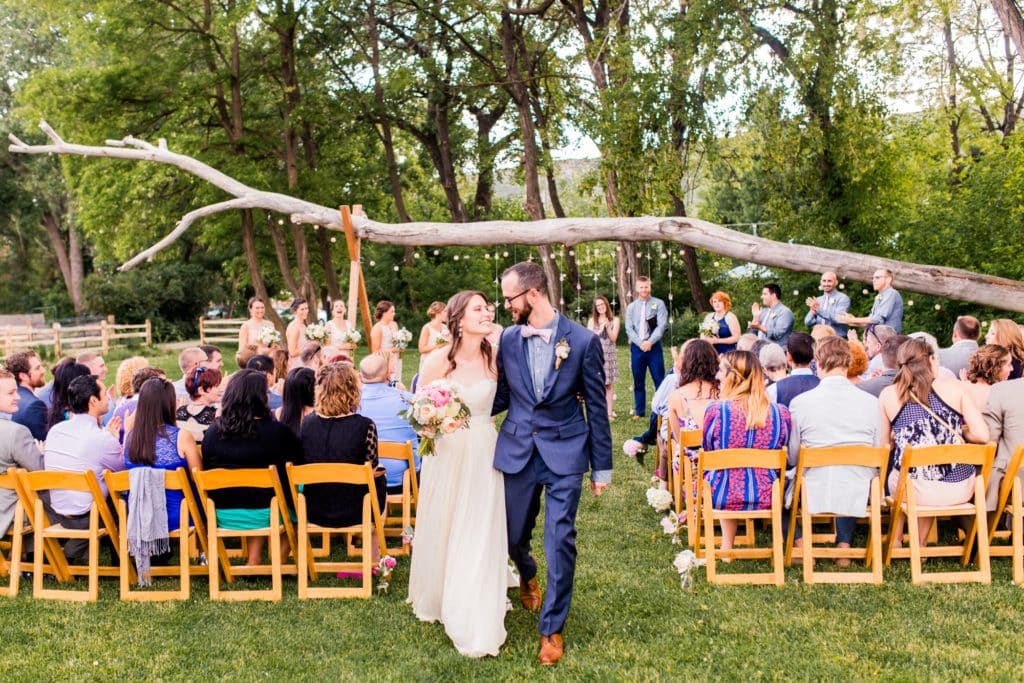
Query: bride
{"x": 459, "y": 573}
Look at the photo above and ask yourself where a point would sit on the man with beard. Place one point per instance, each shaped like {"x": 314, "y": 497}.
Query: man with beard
{"x": 29, "y": 372}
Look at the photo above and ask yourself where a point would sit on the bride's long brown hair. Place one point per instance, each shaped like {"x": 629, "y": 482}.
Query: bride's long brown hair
{"x": 456, "y": 311}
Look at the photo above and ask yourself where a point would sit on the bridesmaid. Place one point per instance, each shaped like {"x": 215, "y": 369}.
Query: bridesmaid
{"x": 435, "y": 333}
{"x": 382, "y": 336}
{"x": 249, "y": 332}
{"x": 295, "y": 334}
{"x": 606, "y": 326}
{"x": 724, "y": 321}
{"x": 338, "y": 326}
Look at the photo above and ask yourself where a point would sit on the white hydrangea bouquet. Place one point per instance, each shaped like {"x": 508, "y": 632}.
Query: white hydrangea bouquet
{"x": 402, "y": 339}
{"x": 659, "y": 499}
{"x": 351, "y": 336}
{"x": 269, "y": 336}
{"x": 708, "y": 328}
{"x": 436, "y": 410}
{"x": 318, "y": 332}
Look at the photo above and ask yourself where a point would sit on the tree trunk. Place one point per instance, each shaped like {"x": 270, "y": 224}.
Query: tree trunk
{"x": 253, "y": 262}
{"x": 65, "y": 256}
{"x": 283, "y": 262}
{"x": 1013, "y": 23}
{"x": 952, "y": 114}
{"x": 327, "y": 261}
{"x": 698, "y": 295}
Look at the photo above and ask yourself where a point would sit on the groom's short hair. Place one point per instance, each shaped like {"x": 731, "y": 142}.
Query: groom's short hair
{"x": 530, "y": 274}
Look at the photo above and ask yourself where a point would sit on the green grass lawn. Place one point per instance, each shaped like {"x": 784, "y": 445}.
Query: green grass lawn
{"x": 629, "y": 620}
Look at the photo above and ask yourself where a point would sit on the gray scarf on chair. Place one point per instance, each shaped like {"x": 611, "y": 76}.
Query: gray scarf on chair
{"x": 147, "y": 519}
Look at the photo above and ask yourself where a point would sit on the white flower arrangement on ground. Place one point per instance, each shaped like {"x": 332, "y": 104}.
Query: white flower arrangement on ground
{"x": 386, "y": 565}
{"x": 659, "y": 499}
{"x": 402, "y": 339}
{"x": 436, "y": 410}
{"x": 269, "y": 336}
{"x": 685, "y": 562}
{"x": 351, "y": 336}
{"x": 318, "y": 332}
{"x": 672, "y": 524}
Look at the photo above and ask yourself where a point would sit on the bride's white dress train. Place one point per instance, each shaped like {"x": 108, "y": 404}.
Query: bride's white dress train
{"x": 459, "y": 574}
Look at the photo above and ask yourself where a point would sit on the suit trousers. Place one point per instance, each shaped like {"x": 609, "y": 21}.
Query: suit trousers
{"x": 522, "y": 504}
{"x": 640, "y": 362}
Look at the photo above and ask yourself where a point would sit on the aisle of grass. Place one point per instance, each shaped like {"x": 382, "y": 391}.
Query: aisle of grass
{"x": 629, "y": 620}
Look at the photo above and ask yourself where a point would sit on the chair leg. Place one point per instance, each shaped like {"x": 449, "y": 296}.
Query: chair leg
{"x": 875, "y": 531}
{"x": 807, "y": 528}
{"x": 915, "y": 537}
{"x": 1017, "y": 534}
{"x": 778, "y": 557}
{"x": 94, "y": 554}
{"x": 14, "y": 566}
{"x": 305, "y": 548}
{"x": 981, "y": 529}
{"x": 709, "y": 535}
{"x": 275, "y": 549}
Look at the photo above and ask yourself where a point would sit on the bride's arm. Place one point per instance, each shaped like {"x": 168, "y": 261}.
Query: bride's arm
{"x": 434, "y": 368}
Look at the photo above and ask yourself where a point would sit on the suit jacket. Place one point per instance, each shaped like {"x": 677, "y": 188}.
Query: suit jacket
{"x": 569, "y": 440}
{"x": 875, "y": 385}
{"x": 838, "y": 304}
{"x": 958, "y": 356}
{"x": 17, "y": 449}
{"x": 778, "y": 324}
{"x": 31, "y": 413}
{"x": 1004, "y": 415}
{"x": 634, "y": 312}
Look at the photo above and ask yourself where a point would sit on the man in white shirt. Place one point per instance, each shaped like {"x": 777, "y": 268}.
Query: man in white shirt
{"x": 79, "y": 444}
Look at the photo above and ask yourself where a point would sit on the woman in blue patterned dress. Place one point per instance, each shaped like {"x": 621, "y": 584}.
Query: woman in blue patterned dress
{"x": 744, "y": 418}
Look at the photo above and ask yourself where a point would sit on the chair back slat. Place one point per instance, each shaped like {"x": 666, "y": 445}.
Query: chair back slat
{"x": 330, "y": 473}
{"x": 732, "y": 458}
{"x": 950, "y": 454}
{"x": 859, "y": 455}
{"x": 254, "y": 478}
{"x": 691, "y": 438}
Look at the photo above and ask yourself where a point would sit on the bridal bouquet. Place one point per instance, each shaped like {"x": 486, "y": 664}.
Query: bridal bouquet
{"x": 436, "y": 410}
{"x": 318, "y": 332}
{"x": 708, "y": 328}
{"x": 269, "y": 336}
{"x": 402, "y": 339}
{"x": 351, "y": 336}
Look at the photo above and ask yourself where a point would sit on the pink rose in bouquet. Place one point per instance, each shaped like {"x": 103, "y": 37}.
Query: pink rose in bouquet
{"x": 436, "y": 410}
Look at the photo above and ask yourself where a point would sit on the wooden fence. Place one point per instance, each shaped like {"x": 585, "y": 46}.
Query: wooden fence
{"x": 217, "y": 331}
{"x": 98, "y": 336}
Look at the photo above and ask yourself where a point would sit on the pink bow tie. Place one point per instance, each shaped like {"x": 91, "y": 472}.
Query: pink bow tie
{"x": 531, "y": 331}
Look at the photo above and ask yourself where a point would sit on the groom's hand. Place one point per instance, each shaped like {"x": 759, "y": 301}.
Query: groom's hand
{"x": 596, "y": 488}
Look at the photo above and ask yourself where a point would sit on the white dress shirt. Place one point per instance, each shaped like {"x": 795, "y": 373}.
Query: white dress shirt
{"x": 76, "y": 445}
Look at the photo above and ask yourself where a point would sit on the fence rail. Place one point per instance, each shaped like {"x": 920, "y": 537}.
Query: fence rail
{"x": 219, "y": 330}
{"x": 99, "y": 336}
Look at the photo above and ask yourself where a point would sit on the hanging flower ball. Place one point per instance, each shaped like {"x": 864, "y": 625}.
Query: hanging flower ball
{"x": 416, "y": 254}
{"x": 715, "y": 264}
{"x": 333, "y": 240}
{"x": 796, "y": 292}
{"x": 572, "y": 252}
{"x": 664, "y": 255}
{"x": 938, "y": 307}
{"x": 280, "y": 221}
{"x": 578, "y": 286}
{"x": 456, "y": 257}
{"x": 561, "y": 276}
{"x": 910, "y": 302}
{"x": 487, "y": 256}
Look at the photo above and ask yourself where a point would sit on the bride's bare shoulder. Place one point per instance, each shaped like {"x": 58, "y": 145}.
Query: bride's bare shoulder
{"x": 435, "y": 366}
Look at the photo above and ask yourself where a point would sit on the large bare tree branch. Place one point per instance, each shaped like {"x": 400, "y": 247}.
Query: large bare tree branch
{"x": 912, "y": 277}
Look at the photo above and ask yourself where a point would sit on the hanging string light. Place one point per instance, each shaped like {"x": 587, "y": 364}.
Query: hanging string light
{"x": 671, "y": 313}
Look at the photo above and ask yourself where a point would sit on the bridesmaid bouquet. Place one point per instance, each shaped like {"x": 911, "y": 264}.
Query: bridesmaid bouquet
{"x": 402, "y": 339}
{"x": 269, "y": 336}
{"x": 351, "y": 336}
{"x": 436, "y": 410}
{"x": 318, "y": 333}
{"x": 708, "y": 328}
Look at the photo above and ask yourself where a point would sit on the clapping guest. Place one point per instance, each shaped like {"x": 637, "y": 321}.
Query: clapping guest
{"x": 989, "y": 364}
{"x": 295, "y": 333}
{"x": 296, "y": 399}
{"x": 723, "y": 321}
{"x": 435, "y": 333}
{"x": 204, "y": 392}
{"x": 890, "y": 365}
{"x": 156, "y": 441}
{"x": 123, "y": 377}
{"x": 60, "y": 404}
{"x": 605, "y": 325}
{"x": 245, "y": 435}
{"x": 743, "y": 418}
{"x": 128, "y": 405}
{"x": 1006, "y": 333}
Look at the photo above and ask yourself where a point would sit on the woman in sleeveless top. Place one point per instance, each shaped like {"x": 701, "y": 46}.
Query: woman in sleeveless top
{"x": 204, "y": 390}
{"x": 1007, "y": 333}
{"x": 919, "y": 409}
{"x": 338, "y": 326}
{"x": 698, "y": 386}
{"x": 249, "y": 332}
{"x": 726, "y": 325}
{"x": 605, "y": 325}
{"x": 295, "y": 334}
{"x": 382, "y": 336}
{"x": 435, "y": 333}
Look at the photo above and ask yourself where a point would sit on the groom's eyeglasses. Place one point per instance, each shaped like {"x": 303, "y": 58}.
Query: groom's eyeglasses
{"x": 510, "y": 299}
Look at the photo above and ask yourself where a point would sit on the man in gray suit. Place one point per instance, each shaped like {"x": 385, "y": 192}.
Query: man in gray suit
{"x": 827, "y": 308}
{"x": 17, "y": 447}
{"x": 646, "y": 321}
{"x": 773, "y": 321}
{"x": 965, "y": 343}
{"x": 890, "y": 350}
{"x": 1004, "y": 415}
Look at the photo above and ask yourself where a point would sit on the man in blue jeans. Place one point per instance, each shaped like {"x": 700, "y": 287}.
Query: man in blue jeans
{"x": 646, "y": 320}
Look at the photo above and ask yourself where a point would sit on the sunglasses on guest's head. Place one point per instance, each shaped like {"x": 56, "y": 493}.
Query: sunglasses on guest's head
{"x": 195, "y": 378}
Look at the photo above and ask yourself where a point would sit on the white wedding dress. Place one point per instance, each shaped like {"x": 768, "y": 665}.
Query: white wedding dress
{"x": 459, "y": 574}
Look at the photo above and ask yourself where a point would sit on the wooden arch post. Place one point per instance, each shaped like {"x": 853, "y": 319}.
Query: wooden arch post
{"x": 356, "y": 284}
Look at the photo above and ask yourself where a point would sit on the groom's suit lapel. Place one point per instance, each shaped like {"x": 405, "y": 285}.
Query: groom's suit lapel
{"x": 524, "y": 362}
{"x": 562, "y": 332}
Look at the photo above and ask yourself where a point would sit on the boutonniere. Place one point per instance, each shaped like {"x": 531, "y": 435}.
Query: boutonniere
{"x": 773, "y": 315}
{"x": 654, "y": 307}
{"x": 561, "y": 352}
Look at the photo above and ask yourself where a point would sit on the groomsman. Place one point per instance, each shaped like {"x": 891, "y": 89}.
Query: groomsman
{"x": 888, "y": 306}
{"x": 646, "y": 320}
{"x": 829, "y": 307}
{"x": 773, "y": 321}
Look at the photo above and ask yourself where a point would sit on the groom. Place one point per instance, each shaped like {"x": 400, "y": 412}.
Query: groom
{"x": 549, "y": 370}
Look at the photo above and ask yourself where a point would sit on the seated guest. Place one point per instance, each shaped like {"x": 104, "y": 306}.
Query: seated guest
{"x": 773, "y": 361}
{"x": 659, "y": 407}
{"x": 819, "y": 332}
{"x": 746, "y": 342}
{"x": 835, "y": 413}
{"x": 189, "y": 358}
{"x": 696, "y": 388}
{"x": 874, "y": 338}
{"x": 45, "y": 394}
{"x": 890, "y": 352}
{"x": 128, "y": 405}
{"x": 1004, "y": 416}
{"x": 204, "y": 391}
{"x": 265, "y": 364}
{"x": 79, "y": 444}
{"x": 123, "y": 378}
{"x": 933, "y": 343}
{"x": 97, "y": 366}
{"x": 214, "y": 357}
{"x": 245, "y": 435}
{"x": 335, "y": 433}
{"x": 920, "y": 409}
{"x": 60, "y": 404}
{"x": 382, "y": 403}
{"x": 311, "y": 357}
{"x": 858, "y": 361}
{"x": 155, "y": 441}
{"x": 243, "y": 356}
{"x": 966, "y": 331}
{"x": 29, "y": 373}
{"x": 743, "y": 418}
{"x": 799, "y": 354}
{"x": 1006, "y": 333}
{"x": 297, "y": 399}
{"x": 17, "y": 447}
{"x": 989, "y": 364}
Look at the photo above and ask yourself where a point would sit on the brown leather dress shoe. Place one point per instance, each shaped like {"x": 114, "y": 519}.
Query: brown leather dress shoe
{"x": 529, "y": 594}
{"x": 551, "y": 648}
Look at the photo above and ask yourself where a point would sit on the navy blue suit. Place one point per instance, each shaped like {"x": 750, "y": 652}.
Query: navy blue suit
{"x": 31, "y": 413}
{"x": 548, "y": 445}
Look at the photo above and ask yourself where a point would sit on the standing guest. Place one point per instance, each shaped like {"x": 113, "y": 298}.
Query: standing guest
{"x": 296, "y": 399}
{"x": 835, "y": 413}
{"x": 382, "y": 403}
{"x": 989, "y": 365}
{"x": 1006, "y": 333}
{"x": 773, "y": 321}
{"x": 60, "y": 402}
{"x": 773, "y": 362}
{"x": 338, "y": 327}
{"x": 123, "y": 377}
{"x": 434, "y": 334}
{"x": 890, "y": 364}
{"x": 743, "y": 418}
{"x": 79, "y": 444}
{"x": 646, "y": 320}
{"x": 189, "y": 358}
{"x": 888, "y": 306}
{"x": 830, "y": 307}
{"x": 1004, "y": 415}
{"x": 966, "y": 332}
{"x": 214, "y": 358}
{"x": 605, "y": 325}
{"x": 336, "y": 433}
{"x": 920, "y": 409}
{"x": 204, "y": 391}
{"x": 494, "y": 336}
{"x": 29, "y": 373}
{"x": 295, "y": 333}
{"x": 726, "y": 325}
{"x": 265, "y": 365}
{"x": 697, "y": 386}
{"x": 382, "y": 336}
{"x": 799, "y": 354}
{"x": 156, "y": 441}
{"x": 250, "y": 331}
{"x": 245, "y": 435}
{"x": 17, "y": 447}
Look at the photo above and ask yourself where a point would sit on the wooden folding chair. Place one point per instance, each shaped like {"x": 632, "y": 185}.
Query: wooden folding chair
{"x": 875, "y": 457}
{"x": 55, "y": 564}
{"x": 191, "y": 526}
{"x": 1005, "y": 505}
{"x": 371, "y": 524}
{"x": 217, "y": 555}
{"x": 904, "y": 506}
{"x": 405, "y": 502}
{"x": 683, "y": 491}
{"x": 734, "y": 458}
{"x": 99, "y": 511}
